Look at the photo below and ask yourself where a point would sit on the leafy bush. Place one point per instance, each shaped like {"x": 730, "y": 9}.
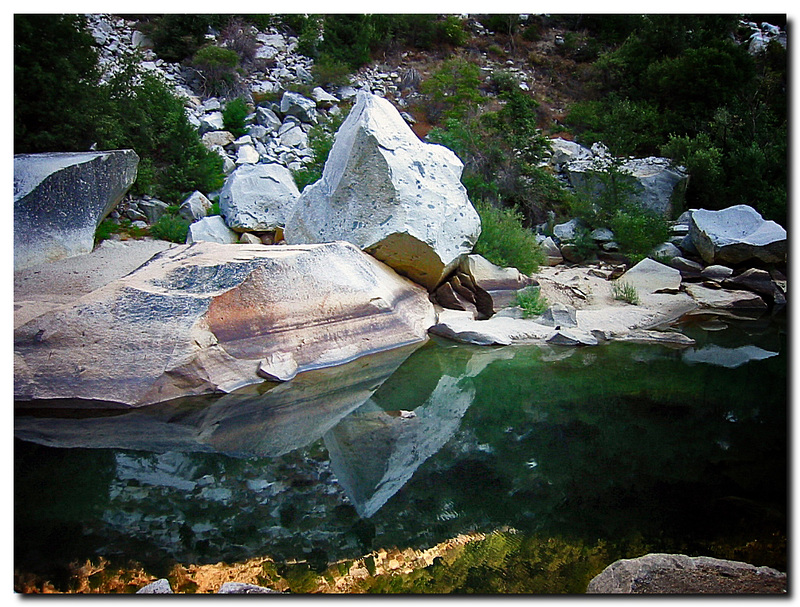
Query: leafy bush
{"x": 532, "y": 302}
{"x": 142, "y": 113}
{"x": 626, "y": 292}
{"x": 217, "y": 69}
{"x": 171, "y": 228}
{"x": 177, "y": 37}
{"x": 453, "y": 90}
{"x": 505, "y": 241}
{"x": 638, "y": 231}
{"x": 234, "y": 115}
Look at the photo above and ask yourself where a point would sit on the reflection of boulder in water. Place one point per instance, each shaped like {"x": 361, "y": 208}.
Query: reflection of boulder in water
{"x": 374, "y": 453}
{"x": 250, "y": 421}
{"x": 730, "y": 358}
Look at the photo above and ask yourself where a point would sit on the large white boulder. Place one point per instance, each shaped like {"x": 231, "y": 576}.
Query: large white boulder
{"x": 204, "y": 318}
{"x": 737, "y": 234}
{"x": 61, "y": 198}
{"x": 396, "y": 197}
{"x": 258, "y": 197}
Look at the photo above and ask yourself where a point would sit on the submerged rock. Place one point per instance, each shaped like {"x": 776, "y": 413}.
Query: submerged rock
{"x": 392, "y": 195}
{"x": 202, "y": 318}
{"x": 61, "y": 198}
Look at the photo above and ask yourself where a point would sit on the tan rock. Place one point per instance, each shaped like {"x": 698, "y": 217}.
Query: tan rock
{"x": 201, "y": 318}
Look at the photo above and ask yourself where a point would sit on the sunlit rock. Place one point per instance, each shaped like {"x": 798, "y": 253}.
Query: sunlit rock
{"x": 202, "y": 318}
{"x": 390, "y": 194}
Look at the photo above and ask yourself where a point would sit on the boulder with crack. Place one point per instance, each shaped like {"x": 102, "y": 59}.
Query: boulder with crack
{"x": 391, "y": 194}
{"x": 207, "y": 318}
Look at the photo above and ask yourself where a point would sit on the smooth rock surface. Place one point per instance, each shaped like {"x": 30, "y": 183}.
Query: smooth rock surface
{"x": 391, "y": 194}
{"x": 158, "y": 587}
{"x": 650, "y": 276}
{"x": 259, "y": 197}
{"x": 61, "y": 198}
{"x": 735, "y": 235}
{"x": 195, "y": 207}
{"x": 201, "y": 318}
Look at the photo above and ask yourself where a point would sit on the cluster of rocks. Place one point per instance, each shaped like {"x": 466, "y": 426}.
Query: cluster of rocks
{"x": 762, "y": 35}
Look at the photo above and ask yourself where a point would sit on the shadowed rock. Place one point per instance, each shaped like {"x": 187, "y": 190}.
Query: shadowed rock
{"x": 61, "y": 198}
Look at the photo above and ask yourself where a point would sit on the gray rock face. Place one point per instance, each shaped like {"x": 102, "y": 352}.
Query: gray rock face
{"x": 258, "y": 197}
{"x": 737, "y": 234}
{"x": 559, "y": 314}
{"x": 201, "y": 318}
{"x": 294, "y": 104}
{"x": 61, "y": 198}
{"x": 211, "y": 229}
{"x": 657, "y": 184}
{"x": 241, "y": 588}
{"x": 650, "y": 276}
{"x": 658, "y": 573}
{"x": 396, "y": 197}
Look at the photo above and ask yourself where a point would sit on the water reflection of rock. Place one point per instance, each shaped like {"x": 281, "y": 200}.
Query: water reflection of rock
{"x": 263, "y": 420}
{"x": 729, "y": 358}
{"x": 376, "y": 450}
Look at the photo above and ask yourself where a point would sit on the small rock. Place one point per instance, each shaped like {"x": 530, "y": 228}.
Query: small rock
{"x": 572, "y": 337}
{"x": 241, "y": 588}
{"x": 559, "y": 315}
{"x": 280, "y": 366}
{"x": 158, "y": 587}
{"x": 716, "y": 272}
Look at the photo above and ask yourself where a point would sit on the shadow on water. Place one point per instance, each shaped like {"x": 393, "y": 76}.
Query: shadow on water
{"x": 685, "y": 450}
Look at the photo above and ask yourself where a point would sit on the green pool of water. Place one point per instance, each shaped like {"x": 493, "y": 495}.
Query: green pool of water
{"x": 578, "y": 456}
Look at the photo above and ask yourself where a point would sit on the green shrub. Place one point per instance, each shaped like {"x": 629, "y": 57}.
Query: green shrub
{"x": 177, "y": 37}
{"x": 234, "y": 115}
{"x": 532, "y": 302}
{"x": 217, "y": 69}
{"x": 626, "y": 292}
{"x": 505, "y": 241}
{"x": 453, "y": 90}
{"x": 55, "y": 84}
{"x": 638, "y": 231}
{"x": 170, "y": 227}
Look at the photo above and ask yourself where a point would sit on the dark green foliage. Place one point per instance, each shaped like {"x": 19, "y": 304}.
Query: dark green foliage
{"x": 354, "y": 39}
{"x": 679, "y": 85}
{"x": 170, "y": 227}
{"x": 150, "y": 119}
{"x": 176, "y": 37}
{"x": 234, "y": 115}
{"x": 505, "y": 241}
{"x": 502, "y": 149}
{"x": 55, "y": 76}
